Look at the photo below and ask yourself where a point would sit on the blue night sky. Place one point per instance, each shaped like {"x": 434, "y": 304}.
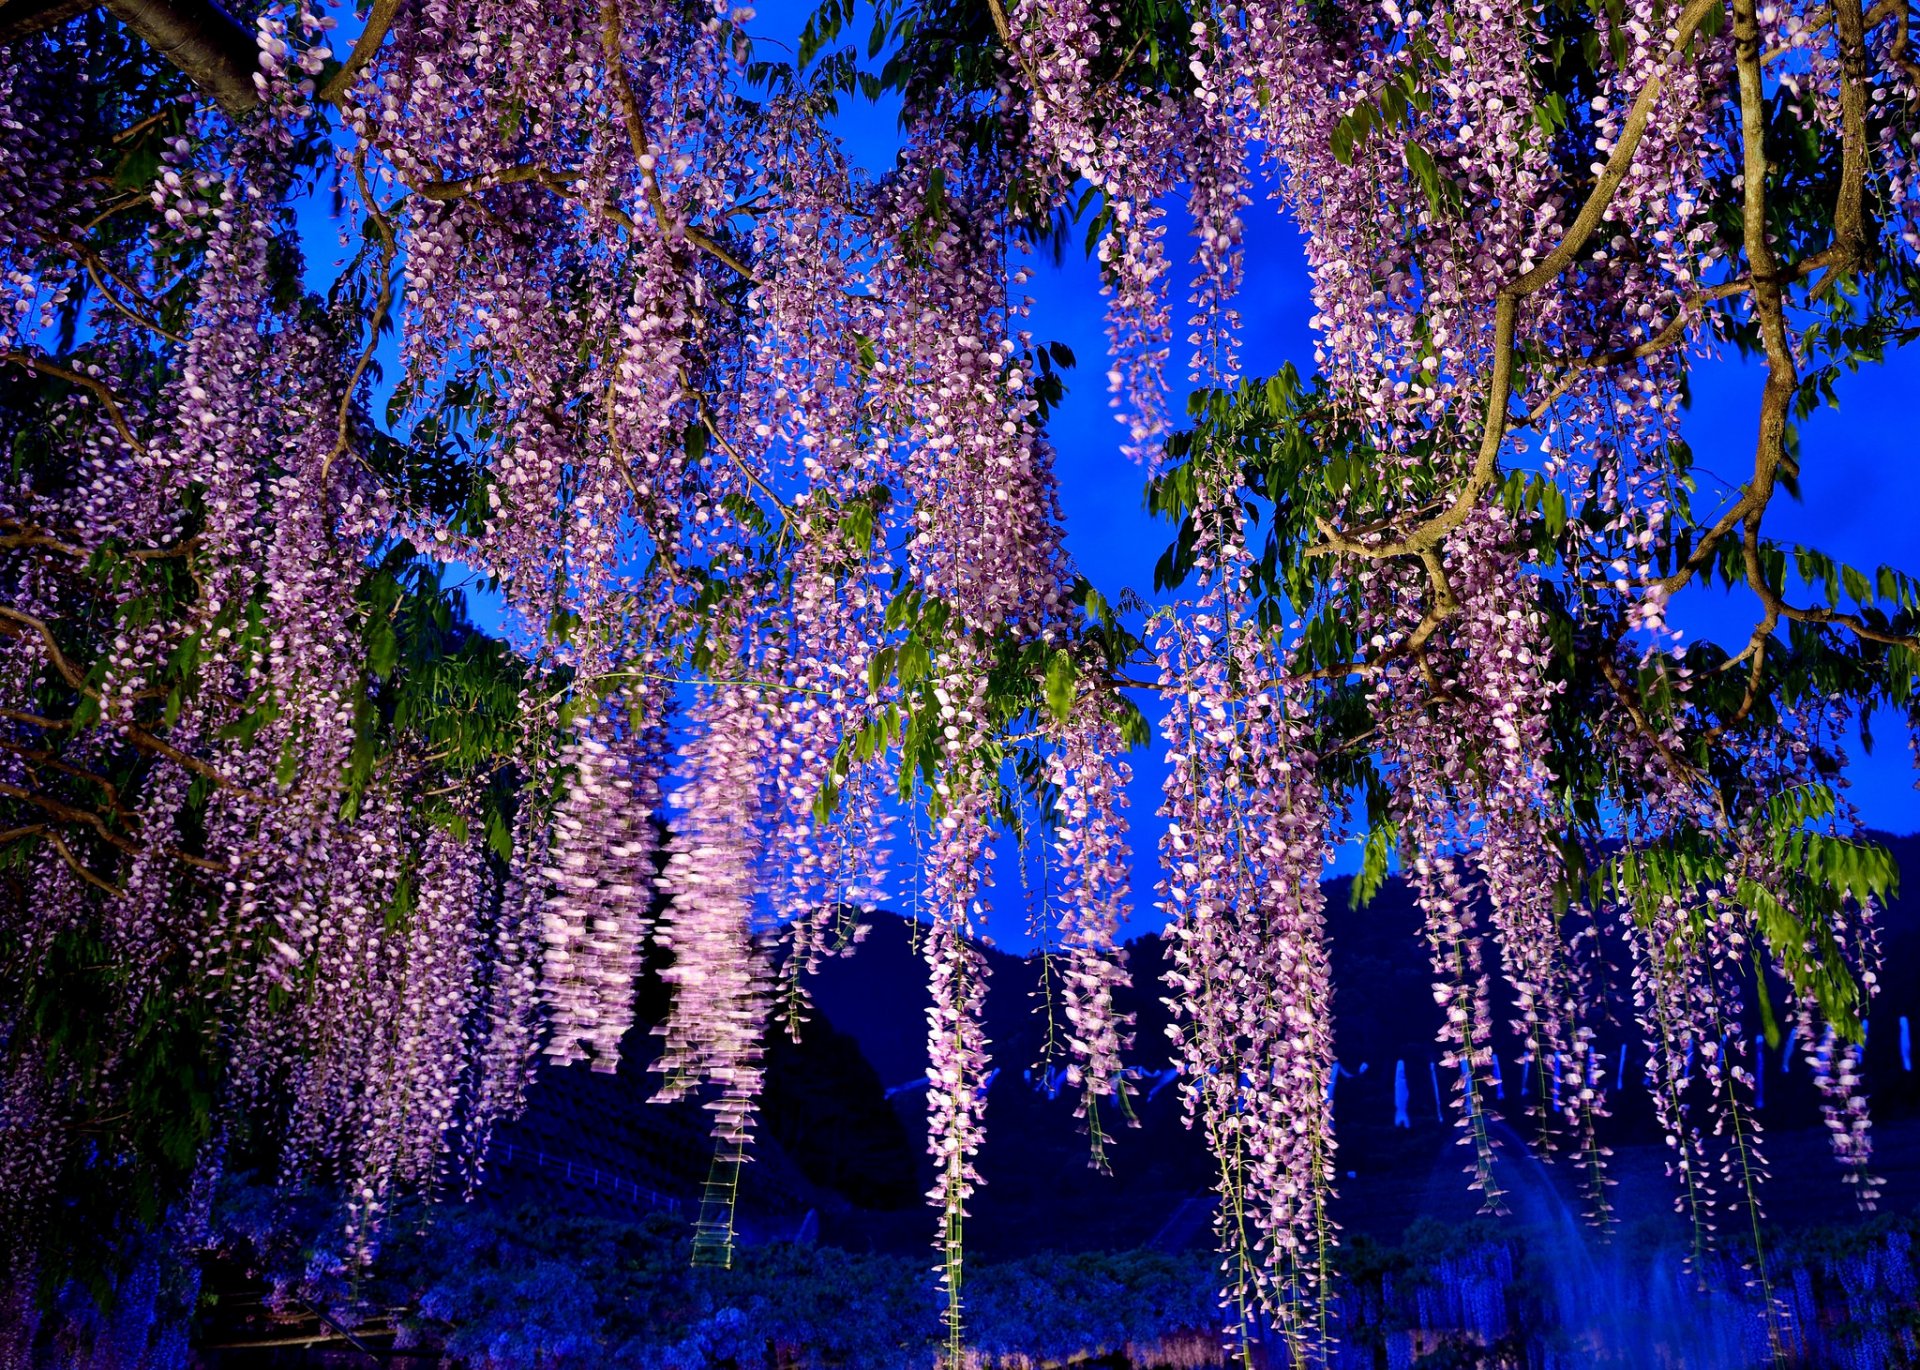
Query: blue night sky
{"x": 1859, "y": 483}
{"x": 1859, "y": 486}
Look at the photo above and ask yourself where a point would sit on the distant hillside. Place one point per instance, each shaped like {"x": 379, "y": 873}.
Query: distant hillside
{"x": 839, "y": 1146}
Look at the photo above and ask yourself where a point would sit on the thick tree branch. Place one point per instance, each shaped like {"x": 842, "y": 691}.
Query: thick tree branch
{"x": 201, "y": 39}
{"x": 445, "y": 192}
{"x": 997, "y": 11}
{"x": 1768, "y": 300}
{"x": 1898, "y": 49}
{"x": 1849, "y": 218}
{"x": 39, "y": 537}
{"x": 558, "y": 183}
{"x": 1849, "y": 250}
{"x": 206, "y": 43}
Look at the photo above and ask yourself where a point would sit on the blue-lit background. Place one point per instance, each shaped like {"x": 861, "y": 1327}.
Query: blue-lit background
{"x": 1860, "y": 484}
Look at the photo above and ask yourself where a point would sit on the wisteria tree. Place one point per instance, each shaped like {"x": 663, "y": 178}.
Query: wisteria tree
{"x": 301, "y": 869}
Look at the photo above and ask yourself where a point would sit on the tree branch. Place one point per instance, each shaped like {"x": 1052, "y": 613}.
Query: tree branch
{"x": 554, "y": 182}
{"x": 1849, "y": 220}
{"x": 383, "y": 301}
{"x": 1493, "y": 432}
{"x": 24, "y": 18}
{"x": 44, "y": 366}
{"x": 33, "y": 535}
{"x": 41, "y": 756}
{"x": 95, "y": 265}
{"x": 728, "y": 450}
{"x": 613, "y": 47}
{"x": 26, "y": 623}
{"x": 59, "y": 844}
{"x": 66, "y": 813}
{"x": 201, "y": 39}
{"x": 445, "y": 192}
{"x": 379, "y": 21}
{"x": 1630, "y": 701}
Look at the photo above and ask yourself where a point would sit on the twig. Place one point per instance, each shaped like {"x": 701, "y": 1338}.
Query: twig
{"x": 66, "y": 813}
{"x": 59, "y": 844}
{"x": 36, "y": 721}
{"x": 38, "y": 537}
{"x": 1630, "y": 701}
{"x": 134, "y": 130}
{"x": 139, "y": 737}
{"x": 998, "y": 12}
{"x": 40, "y": 756}
{"x": 29, "y": 623}
{"x": 728, "y": 450}
{"x": 95, "y": 264}
{"x": 382, "y": 302}
{"x": 78, "y": 867}
{"x": 32, "y": 535}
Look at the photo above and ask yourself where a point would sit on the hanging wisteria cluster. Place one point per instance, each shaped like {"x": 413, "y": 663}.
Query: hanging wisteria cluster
{"x": 752, "y": 445}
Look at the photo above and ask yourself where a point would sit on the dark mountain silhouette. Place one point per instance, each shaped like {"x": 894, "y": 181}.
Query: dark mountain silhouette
{"x": 844, "y": 1115}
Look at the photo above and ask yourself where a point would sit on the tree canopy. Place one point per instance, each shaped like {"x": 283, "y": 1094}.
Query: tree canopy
{"x": 301, "y": 870}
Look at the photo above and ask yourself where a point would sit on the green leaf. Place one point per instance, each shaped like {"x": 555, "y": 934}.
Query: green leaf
{"x": 1373, "y": 865}
{"x": 138, "y": 166}
{"x": 383, "y": 648}
{"x": 1061, "y": 675}
{"x": 1441, "y": 192}
{"x": 913, "y": 662}
{"x": 856, "y": 525}
{"x": 879, "y": 669}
